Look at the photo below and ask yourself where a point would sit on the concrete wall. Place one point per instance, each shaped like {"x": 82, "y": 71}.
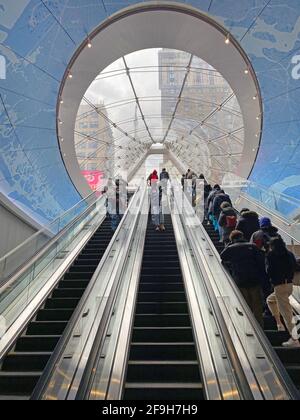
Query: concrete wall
{"x": 14, "y": 229}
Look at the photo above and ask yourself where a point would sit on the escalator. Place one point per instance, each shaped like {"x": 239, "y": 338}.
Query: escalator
{"x": 163, "y": 362}
{"x": 290, "y": 358}
{"x": 22, "y": 367}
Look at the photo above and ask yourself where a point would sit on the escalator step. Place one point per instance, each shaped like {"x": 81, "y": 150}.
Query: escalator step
{"x": 159, "y": 278}
{"x": 39, "y": 343}
{"x": 163, "y": 372}
{"x": 161, "y": 308}
{"x": 83, "y": 269}
{"x": 46, "y": 327}
{"x": 294, "y": 372}
{"x": 61, "y": 303}
{"x": 54, "y": 314}
{"x": 160, "y": 335}
{"x": 88, "y": 261}
{"x": 68, "y": 292}
{"x": 277, "y": 338}
{"x": 78, "y": 276}
{"x": 73, "y": 284}
{"x": 158, "y": 392}
{"x": 172, "y": 320}
{"x": 25, "y": 361}
{"x": 163, "y": 351}
{"x": 18, "y": 383}
{"x": 288, "y": 356}
{"x": 161, "y": 287}
{"x": 161, "y": 297}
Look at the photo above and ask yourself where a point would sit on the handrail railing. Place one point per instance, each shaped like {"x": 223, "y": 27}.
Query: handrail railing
{"x": 207, "y": 250}
{"x": 16, "y": 258}
{"x": 45, "y": 387}
{"x": 5, "y": 282}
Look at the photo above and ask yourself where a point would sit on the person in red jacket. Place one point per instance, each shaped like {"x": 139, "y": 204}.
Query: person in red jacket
{"x": 153, "y": 177}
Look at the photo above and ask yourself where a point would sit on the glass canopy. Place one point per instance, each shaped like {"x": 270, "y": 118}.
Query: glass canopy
{"x": 159, "y": 96}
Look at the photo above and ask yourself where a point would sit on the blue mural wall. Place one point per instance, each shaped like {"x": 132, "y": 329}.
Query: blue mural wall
{"x": 39, "y": 37}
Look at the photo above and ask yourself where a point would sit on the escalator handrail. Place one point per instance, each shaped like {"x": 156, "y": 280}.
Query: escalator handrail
{"x": 240, "y": 376}
{"x": 264, "y": 342}
{"x": 47, "y": 228}
{"x": 44, "y": 380}
{"x": 87, "y": 378}
{"x": 26, "y": 266}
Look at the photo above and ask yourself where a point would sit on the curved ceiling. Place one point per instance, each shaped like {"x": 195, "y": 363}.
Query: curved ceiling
{"x": 148, "y": 27}
{"x": 159, "y": 96}
{"x": 39, "y": 39}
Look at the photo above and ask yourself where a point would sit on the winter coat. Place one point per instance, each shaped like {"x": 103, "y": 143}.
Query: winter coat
{"x": 210, "y": 200}
{"x": 227, "y": 217}
{"x": 164, "y": 176}
{"x": 248, "y": 223}
{"x": 264, "y": 236}
{"x": 281, "y": 268}
{"x": 153, "y": 178}
{"x": 246, "y": 264}
{"x": 218, "y": 200}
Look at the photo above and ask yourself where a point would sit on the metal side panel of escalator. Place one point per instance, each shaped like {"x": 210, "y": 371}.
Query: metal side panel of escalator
{"x": 23, "y": 365}
{"x": 290, "y": 358}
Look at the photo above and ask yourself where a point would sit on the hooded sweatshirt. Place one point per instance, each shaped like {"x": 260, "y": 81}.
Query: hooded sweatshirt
{"x": 248, "y": 223}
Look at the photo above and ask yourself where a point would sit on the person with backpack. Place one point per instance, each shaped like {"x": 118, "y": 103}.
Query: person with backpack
{"x": 220, "y": 198}
{"x": 281, "y": 267}
{"x": 247, "y": 268}
{"x": 248, "y": 223}
{"x": 263, "y": 236}
{"x": 227, "y": 221}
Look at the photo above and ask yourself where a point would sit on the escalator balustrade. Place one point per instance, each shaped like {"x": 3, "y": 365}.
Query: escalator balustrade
{"x": 290, "y": 358}
{"x": 22, "y": 367}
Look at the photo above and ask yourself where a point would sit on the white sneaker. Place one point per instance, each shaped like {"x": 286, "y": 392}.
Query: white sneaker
{"x": 281, "y": 328}
{"x": 291, "y": 344}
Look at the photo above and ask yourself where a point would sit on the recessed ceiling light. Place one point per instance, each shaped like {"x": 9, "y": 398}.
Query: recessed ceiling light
{"x": 247, "y": 71}
{"x": 255, "y": 97}
{"x": 227, "y": 39}
{"x": 89, "y": 44}
{"x": 70, "y": 75}
{"x": 61, "y": 101}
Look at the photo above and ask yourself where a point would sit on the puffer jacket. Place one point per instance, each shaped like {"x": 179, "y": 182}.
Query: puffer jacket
{"x": 281, "y": 268}
{"x": 227, "y": 213}
{"x": 218, "y": 200}
{"x": 246, "y": 264}
{"x": 248, "y": 223}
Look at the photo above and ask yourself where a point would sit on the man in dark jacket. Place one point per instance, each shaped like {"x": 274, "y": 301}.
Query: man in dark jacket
{"x": 248, "y": 223}
{"x": 247, "y": 266}
{"x": 211, "y": 197}
{"x": 264, "y": 235}
{"x": 220, "y": 198}
{"x": 164, "y": 176}
{"x": 227, "y": 221}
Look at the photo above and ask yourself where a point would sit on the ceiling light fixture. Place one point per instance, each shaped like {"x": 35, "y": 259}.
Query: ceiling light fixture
{"x": 227, "y": 40}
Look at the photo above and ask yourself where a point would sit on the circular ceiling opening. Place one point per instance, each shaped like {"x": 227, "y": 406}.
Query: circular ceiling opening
{"x": 195, "y": 94}
{"x": 158, "y": 96}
